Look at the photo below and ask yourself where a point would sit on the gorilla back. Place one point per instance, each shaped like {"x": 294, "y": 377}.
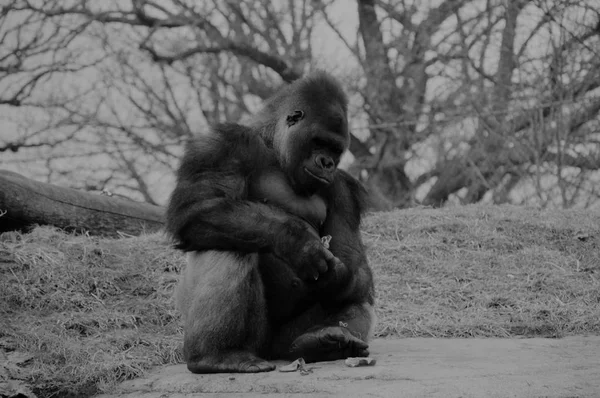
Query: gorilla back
{"x": 245, "y": 253}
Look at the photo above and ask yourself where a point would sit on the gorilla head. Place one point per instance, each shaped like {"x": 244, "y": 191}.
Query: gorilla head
{"x": 306, "y": 123}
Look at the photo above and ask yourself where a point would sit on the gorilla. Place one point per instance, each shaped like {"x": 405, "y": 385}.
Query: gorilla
{"x": 249, "y": 208}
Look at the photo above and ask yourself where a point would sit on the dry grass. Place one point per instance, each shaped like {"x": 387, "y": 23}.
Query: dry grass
{"x": 486, "y": 271}
{"x": 92, "y": 312}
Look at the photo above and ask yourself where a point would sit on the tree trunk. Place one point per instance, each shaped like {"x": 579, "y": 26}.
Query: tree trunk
{"x": 27, "y": 202}
{"x": 482, "y": 165}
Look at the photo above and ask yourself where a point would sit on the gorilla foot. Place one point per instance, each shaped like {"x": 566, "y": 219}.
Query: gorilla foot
{"x": 230, "y": 362}
{"x": 328, "y": 344}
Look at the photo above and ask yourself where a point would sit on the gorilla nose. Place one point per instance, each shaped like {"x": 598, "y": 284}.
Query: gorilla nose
{"x": 325, "y": 162}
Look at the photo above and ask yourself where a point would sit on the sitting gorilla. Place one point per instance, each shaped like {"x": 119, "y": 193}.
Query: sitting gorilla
{"x": 249, "y": 207}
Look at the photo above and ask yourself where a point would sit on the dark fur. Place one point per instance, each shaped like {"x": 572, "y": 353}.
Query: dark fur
{"x": 248, "y": 291}
{"x": 272, "y": 187}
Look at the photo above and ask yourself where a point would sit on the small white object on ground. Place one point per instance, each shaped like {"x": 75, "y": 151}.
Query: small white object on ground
{"x": 354, "y": 362}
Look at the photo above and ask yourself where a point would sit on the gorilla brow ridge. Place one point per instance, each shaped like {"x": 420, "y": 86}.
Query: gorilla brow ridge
{"x": 318, "y": 89}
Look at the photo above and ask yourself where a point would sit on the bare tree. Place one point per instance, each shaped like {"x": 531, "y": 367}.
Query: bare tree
{"x": 35, "y": 50}
{"x": 498, "y": 154}
{"x": 515, "y": 133}
{"x": 453, "y": 100}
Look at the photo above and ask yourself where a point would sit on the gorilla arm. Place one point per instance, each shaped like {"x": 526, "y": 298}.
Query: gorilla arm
{"x": 351, "y": 280}
{"x": 209, "y": 208}
{"x": 345, "y": 293}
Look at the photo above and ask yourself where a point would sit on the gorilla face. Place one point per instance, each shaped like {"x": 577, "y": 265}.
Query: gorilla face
{"x": 306, "y": 124}
{"x": 311, "y": 144}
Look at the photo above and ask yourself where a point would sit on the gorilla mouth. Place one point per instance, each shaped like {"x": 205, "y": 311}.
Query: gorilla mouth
{"x": 313, "y": 175}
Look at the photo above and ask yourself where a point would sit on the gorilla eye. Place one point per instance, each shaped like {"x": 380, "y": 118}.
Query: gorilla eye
{"x": 294, "y": 118}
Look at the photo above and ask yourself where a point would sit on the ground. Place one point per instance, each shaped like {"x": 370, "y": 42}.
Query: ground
{"x": 412, "y": 367}
{"x": 79, "y": 315}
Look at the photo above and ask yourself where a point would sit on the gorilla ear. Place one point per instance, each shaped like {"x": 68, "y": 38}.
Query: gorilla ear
{"x": 294, "y": 118}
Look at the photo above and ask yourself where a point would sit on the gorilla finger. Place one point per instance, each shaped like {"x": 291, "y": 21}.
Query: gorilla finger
{"x": 349, "y": 339}
{"x": 361, "y": 353}
{"x": 334, "y": 336}
{"x": 305, "y": 343}
{"x": 358, "y": 343}
{"x": 328, "y": 254}
{"x": 337, "y": 265}
{"x": 322, "y": 266}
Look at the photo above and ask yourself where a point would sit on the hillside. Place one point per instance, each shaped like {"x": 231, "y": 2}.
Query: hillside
{"x": 79, "y": 314}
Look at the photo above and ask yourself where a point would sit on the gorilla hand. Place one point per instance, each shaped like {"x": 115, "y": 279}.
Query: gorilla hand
{"x": 337, "y": 277}
{"x": 313, "y": 260}
{"x": 301, "y": 247}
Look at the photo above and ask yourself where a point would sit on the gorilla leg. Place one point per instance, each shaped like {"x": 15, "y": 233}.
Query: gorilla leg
{"x": 221, "y": 298}
{"x": 339, "y": 334}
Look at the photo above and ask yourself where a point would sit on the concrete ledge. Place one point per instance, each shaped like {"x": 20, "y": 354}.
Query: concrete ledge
{"x": 568, "y": 367}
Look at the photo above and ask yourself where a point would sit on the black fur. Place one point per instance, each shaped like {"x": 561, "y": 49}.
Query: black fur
{"x": 249, "y": 205}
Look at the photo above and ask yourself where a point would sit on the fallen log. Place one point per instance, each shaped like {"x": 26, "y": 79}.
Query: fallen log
{"x": 25, "y": 202}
